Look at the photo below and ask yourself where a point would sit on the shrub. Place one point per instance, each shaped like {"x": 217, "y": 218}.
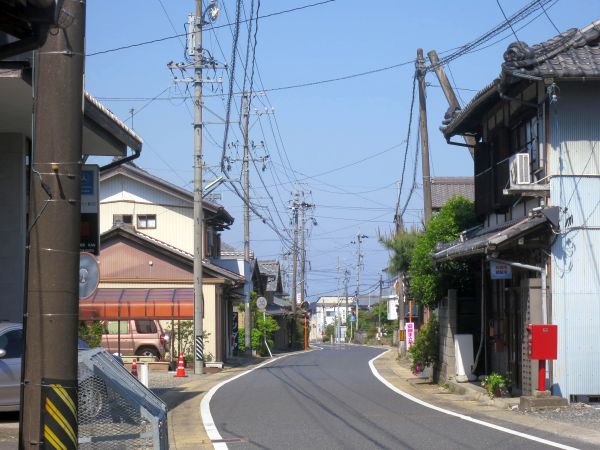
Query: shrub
{"x": 424, "y": 351}
{"x": 494, "y": 384}
{"x": 91, "y": 333}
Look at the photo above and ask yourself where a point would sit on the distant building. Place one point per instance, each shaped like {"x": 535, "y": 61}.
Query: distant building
{"x": 444, "y": 188}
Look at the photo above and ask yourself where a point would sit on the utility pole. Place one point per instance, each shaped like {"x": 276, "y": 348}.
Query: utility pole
{"x": 246, "y": 172}
{"x": 346, "y": 279}
{"x": 358, "y": 242}
{"x": 302, "y": 251}
{"x": 295, "y": 206}
{"x": 52, "y": 304}
{"x": 379, "y": 303}
{"x": 449, "y": 93}
{"x": 198, "y": 211}
{"x": 420, "y": 65}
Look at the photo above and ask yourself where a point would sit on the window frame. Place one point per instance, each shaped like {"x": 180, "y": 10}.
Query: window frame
{"x": 142, "y": 221}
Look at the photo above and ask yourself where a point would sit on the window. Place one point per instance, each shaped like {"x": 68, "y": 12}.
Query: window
{"x": 112, "y": 327}
{"x": 145, "y": 326}
{"x": 122, "y": 219}
{"x": 330, "y": 313}
{"x": 146, "y": 221}
{"x": 12, "y": 343}
{"x": 525, "y": 138}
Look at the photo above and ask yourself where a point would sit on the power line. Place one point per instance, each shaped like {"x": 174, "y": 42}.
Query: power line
{"x": 175, "y": 36}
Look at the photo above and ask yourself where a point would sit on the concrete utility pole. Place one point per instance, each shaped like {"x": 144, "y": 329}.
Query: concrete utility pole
{"x": 295, "y": 206}
{"x": 449, "y": 93}
{"x": 51, "y": 314}
{"x": 302, "y": 251}
{"x": 198, "y": 211}
{"x": 379, "y": 303}
{"x": 420, "y": 65}
{"x": 346, "y": 280}
{"x": 358, "y": 242}
{"x": 246, "y": 170}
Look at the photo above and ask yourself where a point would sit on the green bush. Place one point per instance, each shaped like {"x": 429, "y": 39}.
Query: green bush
{"x": 91, "y": 333}
{"x": 424, "y": 351}
{"x": 264, "y": 327}
{"x": 329, "y": 331}
{"x": 241, "y": 338}
{"x": 495, "y": 383}
{"x": 429, "y": 281}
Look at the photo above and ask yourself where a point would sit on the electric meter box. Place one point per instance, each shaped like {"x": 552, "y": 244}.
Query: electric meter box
{"x": 542, "y": 341}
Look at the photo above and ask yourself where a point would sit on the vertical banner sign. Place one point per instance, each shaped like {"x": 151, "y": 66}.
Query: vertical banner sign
{"x": 199, "y": 348}
{"x": 234, "y": 334}
{"x": 90, "y": 222}
{"x": 410, "y": 334}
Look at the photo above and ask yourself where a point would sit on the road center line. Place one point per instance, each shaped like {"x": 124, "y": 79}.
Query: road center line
{"x": 461, "y": 416}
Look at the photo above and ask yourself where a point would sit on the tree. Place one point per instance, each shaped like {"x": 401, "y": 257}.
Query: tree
{"x": 428, "y": 281}
{"x": 402, "y": 246}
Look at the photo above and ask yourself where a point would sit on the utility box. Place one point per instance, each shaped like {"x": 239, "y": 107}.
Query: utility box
{"x": 542, "y": 341}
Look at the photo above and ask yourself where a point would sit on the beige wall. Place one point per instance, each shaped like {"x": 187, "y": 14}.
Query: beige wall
{"x": 174, "y": 216}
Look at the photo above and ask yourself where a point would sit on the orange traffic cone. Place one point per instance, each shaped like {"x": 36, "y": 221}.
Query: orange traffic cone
{"x": 134, "y": 367}
{"x": 180, "y": 369}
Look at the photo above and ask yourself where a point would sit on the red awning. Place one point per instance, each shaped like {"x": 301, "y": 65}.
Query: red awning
{"x": 136, "y": 303}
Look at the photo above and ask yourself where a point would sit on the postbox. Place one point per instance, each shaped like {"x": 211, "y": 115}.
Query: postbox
{"x": 542, "y": 341}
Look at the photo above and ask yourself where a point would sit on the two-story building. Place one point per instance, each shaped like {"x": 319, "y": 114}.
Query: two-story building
{"x": 537, "y": 175}
{"x": 147, "y": 252}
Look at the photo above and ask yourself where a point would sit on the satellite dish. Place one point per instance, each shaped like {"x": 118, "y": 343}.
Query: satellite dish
{"x": 89, "y": 275}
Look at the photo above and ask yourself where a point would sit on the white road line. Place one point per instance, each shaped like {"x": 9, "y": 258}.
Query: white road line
{"x": 461, "y": 416}
{"x": 207, "y": 419}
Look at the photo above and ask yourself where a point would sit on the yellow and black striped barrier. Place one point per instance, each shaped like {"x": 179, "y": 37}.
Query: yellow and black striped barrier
{"x": 59, "y": 418}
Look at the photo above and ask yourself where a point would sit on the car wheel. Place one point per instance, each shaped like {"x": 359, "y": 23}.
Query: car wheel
{"x": 148, "y": 351}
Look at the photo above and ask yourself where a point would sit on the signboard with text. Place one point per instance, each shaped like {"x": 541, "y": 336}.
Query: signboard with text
{"x": 500, "y": 271}
{"x": 410, "y": 334}
{"x": 90, "y": 222}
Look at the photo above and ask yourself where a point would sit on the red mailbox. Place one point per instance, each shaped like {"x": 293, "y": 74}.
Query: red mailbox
{"x": 543, "y": 341}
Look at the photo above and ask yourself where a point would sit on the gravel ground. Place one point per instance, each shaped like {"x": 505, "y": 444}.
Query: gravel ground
{"x": 579, "y": 414}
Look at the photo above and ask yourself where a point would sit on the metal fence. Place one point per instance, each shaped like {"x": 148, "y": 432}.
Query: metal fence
{"x": 115, "y": 410}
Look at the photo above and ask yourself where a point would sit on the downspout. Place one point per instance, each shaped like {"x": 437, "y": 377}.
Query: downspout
{"x": 119, "y": 162}
{"x": 482, "y": 338}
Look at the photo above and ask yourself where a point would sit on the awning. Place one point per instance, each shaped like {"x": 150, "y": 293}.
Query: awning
{"x": 136, "y": 303}
{"x": 274, "y": 310}
{"x": 482, "y": 240}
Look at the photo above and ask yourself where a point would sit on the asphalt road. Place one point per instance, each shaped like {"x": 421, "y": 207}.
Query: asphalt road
{"x": 330, "y": 399}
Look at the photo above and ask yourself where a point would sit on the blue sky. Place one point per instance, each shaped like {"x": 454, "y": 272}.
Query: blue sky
{"x": 339, "y": 142}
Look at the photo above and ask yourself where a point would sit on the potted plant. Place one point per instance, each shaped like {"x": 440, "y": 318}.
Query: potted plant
{"x": 495, "y": 384}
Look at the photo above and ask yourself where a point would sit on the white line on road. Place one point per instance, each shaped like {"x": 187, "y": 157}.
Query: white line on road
{"x": 461, "y": 416}
{"x": 207, "y": 419}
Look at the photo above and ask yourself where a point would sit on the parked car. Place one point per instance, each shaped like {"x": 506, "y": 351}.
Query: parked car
{"x": 141, "y": 337}
{"x": 91, "y": 397}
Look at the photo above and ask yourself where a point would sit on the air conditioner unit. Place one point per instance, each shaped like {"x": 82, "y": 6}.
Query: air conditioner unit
{"x": 520, "y": 171}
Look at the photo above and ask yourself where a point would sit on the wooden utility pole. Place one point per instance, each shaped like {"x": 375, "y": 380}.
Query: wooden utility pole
{"x": 420, "y": 64}
{"x": 358, "y": 242}
{"x": 51, "y": 316}
{"x": 448, "y": 92}
{"x": 198, "y": 211}
{"x": 246, "y": 176}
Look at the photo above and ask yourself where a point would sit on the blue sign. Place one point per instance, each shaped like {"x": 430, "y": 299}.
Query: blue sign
{"x": 87, "y": 182}
{"x": 352, "y": 318}
{"x": 500, "y": 271}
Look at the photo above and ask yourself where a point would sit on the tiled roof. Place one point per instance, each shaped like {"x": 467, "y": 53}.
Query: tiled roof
{"x": 444, "y": 188}
{"x": 572, "y": 54}
{"x": 270, "y": 269}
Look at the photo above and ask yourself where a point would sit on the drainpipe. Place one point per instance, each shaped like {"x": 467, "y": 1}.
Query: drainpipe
{"x": 119, "y": 162}
{"x": 482, "y": 338}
